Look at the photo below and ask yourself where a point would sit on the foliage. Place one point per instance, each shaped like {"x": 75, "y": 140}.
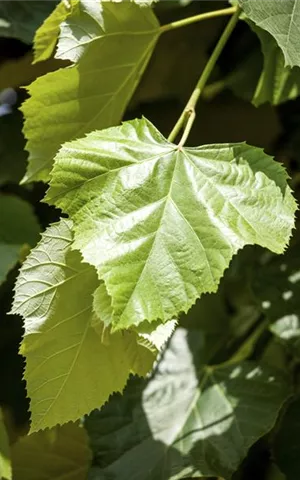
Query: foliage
{"x": 155, "y": 325}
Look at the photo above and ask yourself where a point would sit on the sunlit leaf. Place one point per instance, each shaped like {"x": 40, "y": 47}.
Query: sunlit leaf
{"x": 111, "y": 43}
{"x": 69, "y": 369}
{"x": 46, "y": 36}
{"x": 161, "y": 223}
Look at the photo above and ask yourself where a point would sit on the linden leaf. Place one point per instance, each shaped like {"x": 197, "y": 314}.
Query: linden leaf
{"x": 62, "y": 452}
{"x": 69, "y": 370}
{"x": 189, "y": 420}
{"x": 282, "y": 20}
{"x": 94, "y": 93}
{"x": 161, "y": 223}
{"x": 46, "y": 35}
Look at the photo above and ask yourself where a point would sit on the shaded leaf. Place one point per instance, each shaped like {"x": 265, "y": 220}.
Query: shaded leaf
{"x": 282, "y": 20}
{"x": 20, "y": 19}
{"x": 69, "y": 370}
{"x": 18, "y": 225}
{"x": 286, "y": 448}
{"x": 62, "y": 452}
{"x": 94, "y": 93}
{"x": 161, "y": 223}
{"x": 5, "y": 457}
{"x": 277, "y": 83}
{"x": 189, "y": 420}
{"x": 18, "y": 72}
{"x": 12, "y": 154}
{"x": 277, "y": 286}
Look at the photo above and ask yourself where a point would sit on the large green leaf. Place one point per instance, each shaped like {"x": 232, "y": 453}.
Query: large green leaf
{"x": 20, "y": 19}
{"x": 282, "y": 20}
{"x": 190, "y": 420}
{"x": 18, "y": 226}
{"x": 5, "y": 460}
{"x": 160, "y": 222}
{"x": 69, "y": 369}
{"x": 94, "y": 93}
{"x": 62, "y": 452}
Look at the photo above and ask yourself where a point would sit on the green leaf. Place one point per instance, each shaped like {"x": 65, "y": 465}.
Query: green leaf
{"x": 282, "y": 20}
{"x": 46, "y": 36}
{"x": 69, "y": 370}
{"x": 94, "y": 93}
{"x": 20, "y": 19}
{"x": 5, "y": 460}
{"x": 277, "y": 285}
{"x": 262, "y": 76}
{"x": 18, "y": 226}
{"x": 152, "y": 336}
{"x": 286, "y": 445}
{"x": 189, "y": 420}
{"x": 277, "y": 83}
{"x": 62, "y": 452}
{"x": 161, "y": 223}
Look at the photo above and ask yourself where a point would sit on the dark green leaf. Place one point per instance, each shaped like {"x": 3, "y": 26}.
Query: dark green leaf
{"x": 189, "y": 420}
{"x": 20, "y": 19}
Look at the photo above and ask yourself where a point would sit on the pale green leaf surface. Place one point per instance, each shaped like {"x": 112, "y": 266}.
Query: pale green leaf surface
{"x": 69, "y": 371}
{"x": 189, "y": 420}
{"x": 281, "y": 18}
{"x": 20, "y": 18}
{"x": 5, "y": 455}
{"x": 94, "y": 93}
{"x": 47, "y": 34}
{"x": 18, "y": 225}
{"x": 59, "y": 453}
{"x": 160, "y": 223}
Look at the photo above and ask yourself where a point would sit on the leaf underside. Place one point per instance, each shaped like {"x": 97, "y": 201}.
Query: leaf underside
{"x": 69, "y": 369}
{"x": 281, "y": 19}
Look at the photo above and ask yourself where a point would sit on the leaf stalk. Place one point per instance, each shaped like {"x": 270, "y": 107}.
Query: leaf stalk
{"x": 197, "y": 18}
{"x": 188, "y": 115}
